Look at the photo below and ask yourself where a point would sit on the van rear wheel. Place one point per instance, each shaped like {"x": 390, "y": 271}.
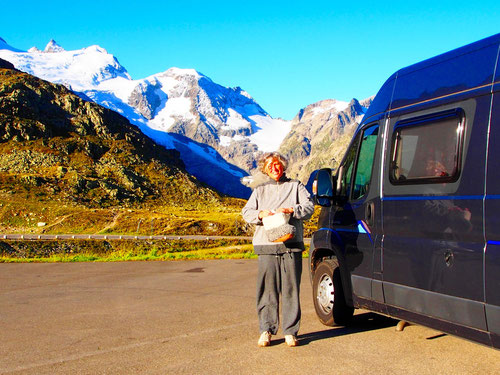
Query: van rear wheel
{"x": 328, "y": 295}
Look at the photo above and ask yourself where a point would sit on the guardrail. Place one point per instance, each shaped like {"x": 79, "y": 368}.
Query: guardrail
{"x": 112, "y": 237}
{"x": 35, "y": 237}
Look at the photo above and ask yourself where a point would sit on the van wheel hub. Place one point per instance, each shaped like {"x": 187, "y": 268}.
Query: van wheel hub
{"x": 325, "y": 294}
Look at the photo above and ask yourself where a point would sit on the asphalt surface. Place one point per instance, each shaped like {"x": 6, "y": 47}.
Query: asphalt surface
{"x": 195, "y": 317}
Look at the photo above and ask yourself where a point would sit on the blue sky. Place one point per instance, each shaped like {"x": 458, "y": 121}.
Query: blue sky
{"x": 285, "y": 54}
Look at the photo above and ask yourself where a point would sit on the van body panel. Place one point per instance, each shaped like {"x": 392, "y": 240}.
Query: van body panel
{"x": 381, "y": 102}
{"x": 438, "y": 305}
{"x": 492, "y": 225}
{"x": 470, "y": 333}
{"x": 362, "y": 286}
{"x": 475, "y": 66}
{"x": 447, "y": 74}
{"x": 377, "y": 291}
{"x": 497, "y": 70}
{"x": 493, "y": 316}
{"x": 492, "y": 201}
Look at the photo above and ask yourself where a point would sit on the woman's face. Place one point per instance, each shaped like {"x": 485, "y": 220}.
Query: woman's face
{"x": 274, "y": 169}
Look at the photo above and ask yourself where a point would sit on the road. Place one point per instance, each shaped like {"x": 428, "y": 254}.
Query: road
{"x": 195, "y": 317}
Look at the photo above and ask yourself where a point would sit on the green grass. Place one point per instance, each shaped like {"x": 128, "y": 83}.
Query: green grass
{"x": 21, "y": 215}
{"x": 119, "y": 251}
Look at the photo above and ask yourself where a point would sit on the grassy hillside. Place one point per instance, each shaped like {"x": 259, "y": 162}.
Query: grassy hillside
{"x": 72, "y": 166}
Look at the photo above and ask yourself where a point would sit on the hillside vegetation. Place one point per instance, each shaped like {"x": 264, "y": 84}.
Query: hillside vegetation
{"x": 69, "y": 165}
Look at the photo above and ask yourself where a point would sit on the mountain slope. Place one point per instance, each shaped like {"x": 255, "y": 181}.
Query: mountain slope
{"x": 180, "y": 101}
{"x": 320, "y": 135}
{"x": 56, "y": 146}
{"x": 5, "y": 46}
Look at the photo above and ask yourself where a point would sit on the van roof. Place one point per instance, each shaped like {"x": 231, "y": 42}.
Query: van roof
{"x": 459, "y": 70}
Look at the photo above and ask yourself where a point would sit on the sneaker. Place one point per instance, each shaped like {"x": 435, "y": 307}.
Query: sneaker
{"x": 291, "y": 340}
{"x": 264, "y": 339}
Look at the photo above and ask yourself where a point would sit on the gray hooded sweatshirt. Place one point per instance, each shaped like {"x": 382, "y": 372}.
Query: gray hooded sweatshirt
{"x": 271, "y": 196}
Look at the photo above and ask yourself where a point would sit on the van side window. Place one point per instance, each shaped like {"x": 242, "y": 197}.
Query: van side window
{"x": 365, "y": 162}
{"x": 427, "y": 149}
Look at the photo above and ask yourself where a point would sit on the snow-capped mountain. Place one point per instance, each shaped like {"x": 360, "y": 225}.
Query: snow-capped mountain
{"x": 219, "y": 131}
{"x": 180, "y": 101}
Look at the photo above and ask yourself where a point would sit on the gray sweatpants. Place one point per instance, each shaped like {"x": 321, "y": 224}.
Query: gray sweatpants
{"x": 279, "y": 274}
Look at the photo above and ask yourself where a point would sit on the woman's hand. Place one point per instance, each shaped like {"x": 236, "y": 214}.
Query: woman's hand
{"x": 264, "y": 213}
{"x": 285, "y": 210}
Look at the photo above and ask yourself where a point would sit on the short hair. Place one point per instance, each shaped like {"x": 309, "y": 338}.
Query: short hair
{"x": 272, "y": 155}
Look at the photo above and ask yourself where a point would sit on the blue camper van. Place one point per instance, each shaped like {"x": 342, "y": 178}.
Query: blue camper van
{"x": 410, "y": 221}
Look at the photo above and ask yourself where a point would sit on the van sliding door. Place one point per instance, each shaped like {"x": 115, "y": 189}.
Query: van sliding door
{"x": 433, "y": 213}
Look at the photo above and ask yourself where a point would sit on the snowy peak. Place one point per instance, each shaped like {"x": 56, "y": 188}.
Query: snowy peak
{"x": 187, "y": 102}
{"x": 53, "y": 47}
{"x": 79, "y": 70}
{"x": 325, "y": 110}
{"x": 322, "y": 107}
{"x": 178, "y": 72}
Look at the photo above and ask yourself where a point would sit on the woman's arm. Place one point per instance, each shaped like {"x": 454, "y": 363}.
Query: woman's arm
{"x": 250, "y": 212}
{"x": 305, "y": 207}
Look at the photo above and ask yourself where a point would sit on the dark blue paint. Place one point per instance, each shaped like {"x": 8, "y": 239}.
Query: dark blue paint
{"x": 434, "y": 197}
{"x": 337, "y": 236}
{"x": 459, "y": 70}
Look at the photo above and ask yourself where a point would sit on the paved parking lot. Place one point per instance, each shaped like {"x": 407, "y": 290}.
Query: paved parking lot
{"x": 195, "y": 317}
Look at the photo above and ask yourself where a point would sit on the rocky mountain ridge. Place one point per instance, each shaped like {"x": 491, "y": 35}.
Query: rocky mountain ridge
{"x": 320, "y": 134}
{"x": 55, "y": 145}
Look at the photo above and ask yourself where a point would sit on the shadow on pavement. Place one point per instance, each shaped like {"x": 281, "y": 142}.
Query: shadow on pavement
{"x": 360, "y": 323}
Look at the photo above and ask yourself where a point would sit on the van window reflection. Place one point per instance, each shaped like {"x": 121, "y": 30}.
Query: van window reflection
{"x": 427, "y": 152}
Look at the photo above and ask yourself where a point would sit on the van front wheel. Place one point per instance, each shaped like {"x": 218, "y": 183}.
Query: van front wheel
{"x": 328, "y": 295}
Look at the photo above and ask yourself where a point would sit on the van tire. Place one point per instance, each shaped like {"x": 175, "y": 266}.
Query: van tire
{"x": 328, "y": 295}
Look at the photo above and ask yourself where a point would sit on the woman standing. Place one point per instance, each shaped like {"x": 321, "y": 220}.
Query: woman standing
{"x": 280, "y": 263}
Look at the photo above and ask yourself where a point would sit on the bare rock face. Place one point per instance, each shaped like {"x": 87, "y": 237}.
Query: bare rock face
{"x": 320, "y": 135}
{"x": 145, "y": 99}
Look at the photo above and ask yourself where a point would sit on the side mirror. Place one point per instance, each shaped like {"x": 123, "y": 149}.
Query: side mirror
{"x": 323, "y": 186}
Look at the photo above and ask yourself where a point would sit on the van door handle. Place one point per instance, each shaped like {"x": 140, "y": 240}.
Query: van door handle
{"x": 369, "y": 213}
